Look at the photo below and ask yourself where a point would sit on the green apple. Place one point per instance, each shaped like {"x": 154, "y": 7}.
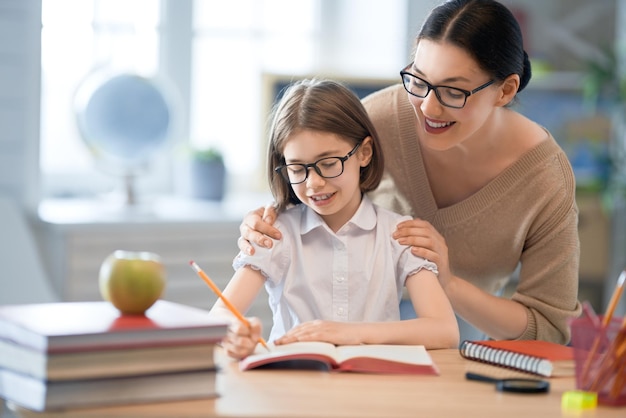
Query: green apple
{"x": 132, "y": 281}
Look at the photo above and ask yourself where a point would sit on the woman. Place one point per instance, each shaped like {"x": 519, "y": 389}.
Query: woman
{"x": 490, "y": 190}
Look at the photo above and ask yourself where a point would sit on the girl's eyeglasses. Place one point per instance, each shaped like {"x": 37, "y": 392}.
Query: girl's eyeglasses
{"x": 328, "y": 168}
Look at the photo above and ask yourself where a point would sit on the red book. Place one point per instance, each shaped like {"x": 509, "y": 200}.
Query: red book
{"x": 84, "y": 326}
{"x": 532, "y": 356}
{"x": 364, "y": 358}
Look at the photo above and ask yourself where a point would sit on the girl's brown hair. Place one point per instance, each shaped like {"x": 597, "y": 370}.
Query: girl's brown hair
{"x": 322, "y": 106}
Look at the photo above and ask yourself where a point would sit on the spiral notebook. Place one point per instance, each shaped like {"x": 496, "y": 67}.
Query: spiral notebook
{"x": 531, "y": 356}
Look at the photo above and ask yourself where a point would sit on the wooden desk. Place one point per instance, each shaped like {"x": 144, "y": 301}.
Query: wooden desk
{"x": 321, "y": 394}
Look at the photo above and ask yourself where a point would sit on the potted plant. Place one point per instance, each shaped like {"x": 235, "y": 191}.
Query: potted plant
{"x": 204, "y": 174}
{"x": 604, "y": 81}
{"x": 605, "y": 84}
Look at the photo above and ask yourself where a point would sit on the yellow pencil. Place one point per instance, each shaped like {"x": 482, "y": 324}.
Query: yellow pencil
{"x": 617, "y": 294}
{"x": 229, "y": 305}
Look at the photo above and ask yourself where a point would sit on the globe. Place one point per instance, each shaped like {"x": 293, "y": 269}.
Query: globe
{"x": 124, "y": 119}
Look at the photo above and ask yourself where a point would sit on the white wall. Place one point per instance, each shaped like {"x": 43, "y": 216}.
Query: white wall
{"x": 20, "y": 46}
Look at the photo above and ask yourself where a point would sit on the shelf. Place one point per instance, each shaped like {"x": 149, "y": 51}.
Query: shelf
{"x": 557, "y": 80}
{"x": 159, "y": 209}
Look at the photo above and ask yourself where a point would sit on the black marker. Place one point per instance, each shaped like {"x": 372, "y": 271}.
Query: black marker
{"x": 517, "y": 385}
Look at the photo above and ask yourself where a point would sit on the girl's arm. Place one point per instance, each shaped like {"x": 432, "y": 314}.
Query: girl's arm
{"x": 435, "y": 317}
{"x": 435, "y": 326}
{"x": 241, "y": 292}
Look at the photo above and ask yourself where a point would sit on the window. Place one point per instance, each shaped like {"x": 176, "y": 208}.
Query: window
{"x": 216, "y": 55}
{"x": 235, "y": 42}
{"x": 115, "y": 34}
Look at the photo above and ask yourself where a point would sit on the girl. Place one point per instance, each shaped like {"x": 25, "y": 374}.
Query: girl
{"x": 337, "y": 275}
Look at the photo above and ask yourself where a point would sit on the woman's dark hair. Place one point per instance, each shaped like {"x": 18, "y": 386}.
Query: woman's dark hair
{"x": 487, "y": 30}
{"x": 321, "y": 106}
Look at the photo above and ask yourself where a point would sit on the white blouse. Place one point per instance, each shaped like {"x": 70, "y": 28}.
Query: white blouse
{"x": 354, "y": 275}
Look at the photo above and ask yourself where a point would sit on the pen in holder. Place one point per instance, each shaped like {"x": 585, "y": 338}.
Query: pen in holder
{"x": 600, "y": 355}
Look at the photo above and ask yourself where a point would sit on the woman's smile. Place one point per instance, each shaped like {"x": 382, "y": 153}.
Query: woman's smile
{"x": 435, "y": 126}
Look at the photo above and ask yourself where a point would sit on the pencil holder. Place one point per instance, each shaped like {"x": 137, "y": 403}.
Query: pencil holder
{"x": 600, "y": 355}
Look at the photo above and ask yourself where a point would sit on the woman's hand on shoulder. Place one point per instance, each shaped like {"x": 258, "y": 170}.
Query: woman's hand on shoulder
{"x": 426, "y": 242}
{"x": 338, "y": 333}
{"x": 257, "y": 227}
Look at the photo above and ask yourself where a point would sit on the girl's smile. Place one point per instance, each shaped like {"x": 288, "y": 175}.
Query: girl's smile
{"x": 322, "y": 199}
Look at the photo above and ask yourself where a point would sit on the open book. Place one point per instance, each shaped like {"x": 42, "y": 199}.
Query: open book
{"x": 389, "y": 359}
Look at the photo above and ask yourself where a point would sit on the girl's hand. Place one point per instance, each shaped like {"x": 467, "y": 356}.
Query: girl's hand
{"x": 426, "y": 242}
{"x": 257, "y": 227}
{"x": 338, "y": 333}
{"x": 241, "y": 340}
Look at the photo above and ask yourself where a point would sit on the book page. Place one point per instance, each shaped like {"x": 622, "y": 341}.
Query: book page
{"x": 409, "y": 354}
{"x": 305, "y": 347}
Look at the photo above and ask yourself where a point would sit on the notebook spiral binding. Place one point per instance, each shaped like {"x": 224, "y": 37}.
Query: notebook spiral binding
{"x": 505, "y": 358}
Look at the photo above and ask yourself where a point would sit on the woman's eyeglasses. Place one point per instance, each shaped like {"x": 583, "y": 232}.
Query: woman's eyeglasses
{"x": 328, "y": 167}
{"x": 448, "y": 96}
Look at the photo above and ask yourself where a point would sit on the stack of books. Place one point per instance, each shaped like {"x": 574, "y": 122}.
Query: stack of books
{"x": 83, "y": 354}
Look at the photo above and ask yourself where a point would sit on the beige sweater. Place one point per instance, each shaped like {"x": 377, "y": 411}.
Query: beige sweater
{"x": 527, "y": 216}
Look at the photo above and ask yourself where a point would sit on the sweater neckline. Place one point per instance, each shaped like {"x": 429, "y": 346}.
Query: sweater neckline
{"x": 478, "y": 201}
{"x": 502, "y": 184}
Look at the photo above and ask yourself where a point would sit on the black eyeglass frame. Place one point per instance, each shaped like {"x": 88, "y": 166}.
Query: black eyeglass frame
{"x": 281, "y": 169}
{"x": 466, "y": 93}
